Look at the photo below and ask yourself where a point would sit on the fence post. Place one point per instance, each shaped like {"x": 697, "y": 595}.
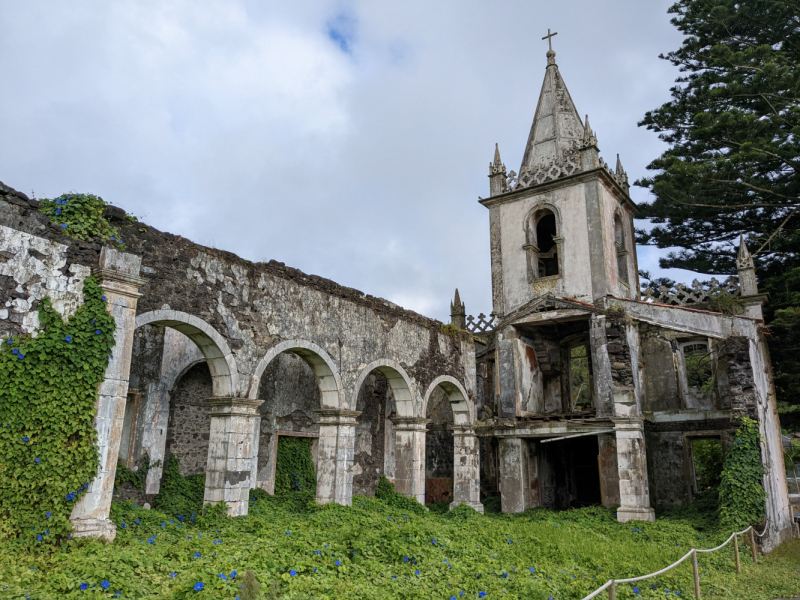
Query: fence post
{"x": 696, "y": 573}
{"x": 736, "y": 552}
{"x": 753, "y": 545}
{"x": 612, "y": 591}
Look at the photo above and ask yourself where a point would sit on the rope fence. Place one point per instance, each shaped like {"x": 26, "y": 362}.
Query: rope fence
{"x": 611, "y": 584}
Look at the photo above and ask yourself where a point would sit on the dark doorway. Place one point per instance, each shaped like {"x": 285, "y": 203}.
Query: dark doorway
{"x": 569, "y": 476}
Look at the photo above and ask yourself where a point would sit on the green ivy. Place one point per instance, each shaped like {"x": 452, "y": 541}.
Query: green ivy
{"x": 48, "y": 391}
{"x": 294, "y": 469}
{"x": 179, "y": 495}
{"x": 741, "y": 495}
{"x": 81, "y": 217}
{"x": 385, "y": 491}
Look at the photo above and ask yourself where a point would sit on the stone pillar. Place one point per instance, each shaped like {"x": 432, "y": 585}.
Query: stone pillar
{"x": 609, "y": 470}
{"x": 514, "y": 475}
{"x": 466, "y": 468}
{"x": 601, "y": 367}
{"x": 337, "y": 438}
{"x": 231, "y": 449}
{"x": 634, "y": 491}
{"x": 410, "y": 457}
{"x": 119, "y": 277}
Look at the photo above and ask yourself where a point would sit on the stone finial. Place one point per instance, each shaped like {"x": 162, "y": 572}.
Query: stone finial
{"x": 458, "y": 312}
{"x": 744, "y": 259}
{"x": 622, "y": 176}
{"x": 497, "y": 174}
{"x": 589, "y": 138}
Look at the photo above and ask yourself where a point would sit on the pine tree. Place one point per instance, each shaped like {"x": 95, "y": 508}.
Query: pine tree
{"x": 733, "y": 129}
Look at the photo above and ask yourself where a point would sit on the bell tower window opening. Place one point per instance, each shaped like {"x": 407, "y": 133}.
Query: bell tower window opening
{"x": 622, "y": 250}
{"x": 547, "y": 256}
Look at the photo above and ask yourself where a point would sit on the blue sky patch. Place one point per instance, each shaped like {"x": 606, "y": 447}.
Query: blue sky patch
{"x": 341, "y": 30}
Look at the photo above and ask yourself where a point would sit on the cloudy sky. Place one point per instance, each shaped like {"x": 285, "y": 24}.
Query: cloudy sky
{"x": 350, "y": 139}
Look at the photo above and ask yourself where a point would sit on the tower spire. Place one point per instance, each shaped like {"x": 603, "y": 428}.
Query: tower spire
{"x": 458, "y": 312}
{"x": 497, "y": 175}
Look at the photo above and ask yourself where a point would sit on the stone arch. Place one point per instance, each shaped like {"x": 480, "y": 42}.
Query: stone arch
{"x": 402, "y": 387}
{"x": 544, "y": 257}
{"x": 323, "y": 366}
{"x": 463, "y": 408}
{"x": 215, "y": 349}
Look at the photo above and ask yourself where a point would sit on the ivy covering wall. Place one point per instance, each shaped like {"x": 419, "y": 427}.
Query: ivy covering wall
{"x": 48, "y": 443}
{"x": 741, "y": 495}
{"x": 294, "y": 469}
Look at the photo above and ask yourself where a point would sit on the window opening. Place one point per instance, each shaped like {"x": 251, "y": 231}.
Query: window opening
{"x": 707, "y": 457}
{"x": 622, "y": 250}
{"x": 548, "y": 249}
{"x": 698, "y": 367}
{"x": 580, "y": 377}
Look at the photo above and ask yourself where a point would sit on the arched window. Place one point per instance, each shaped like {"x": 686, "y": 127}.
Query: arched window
{"x": 544, "y": 244}
{"x": 622, "y": 250}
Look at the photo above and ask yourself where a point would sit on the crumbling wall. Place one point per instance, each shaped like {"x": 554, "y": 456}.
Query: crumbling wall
{"x": 741, "y": 386}
{"x": 439, "y": 449}
{"x": 660, "y": 375}
{"x": 189, "y": 420}
{"x": 369, "y": 454}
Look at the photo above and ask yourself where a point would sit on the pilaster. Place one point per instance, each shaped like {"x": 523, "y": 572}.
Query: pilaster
{"x": 514, "y": 475}
{"x": 118, "y": 274}
{"x": 466, "y": 468}
{"x": 335, "y": 453}
{"x": 410, "y": 457}
{"x": 634, "y": 491}
{"x": 231, "y": 450}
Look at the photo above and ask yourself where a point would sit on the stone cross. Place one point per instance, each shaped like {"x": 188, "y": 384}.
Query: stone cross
{"x": 549, "y": 38}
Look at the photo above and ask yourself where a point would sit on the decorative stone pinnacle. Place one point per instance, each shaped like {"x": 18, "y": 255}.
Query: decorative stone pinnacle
{"x": 589, "y": 138}
{"x": 458, "y": 312}
{"x": 619, "y": 170}
{"x": 744, "y": 260}
{"x": 497, "y": 166}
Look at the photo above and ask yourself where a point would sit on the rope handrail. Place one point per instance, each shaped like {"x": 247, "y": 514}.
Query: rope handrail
{"x": 610, "y": 585}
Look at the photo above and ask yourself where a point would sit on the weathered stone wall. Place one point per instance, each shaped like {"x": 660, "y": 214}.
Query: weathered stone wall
{"x": 439, "y": 449}
{"x": 189, "y": 420}
{"x": 369, "y": 455}
{"x": 741, "y": 385}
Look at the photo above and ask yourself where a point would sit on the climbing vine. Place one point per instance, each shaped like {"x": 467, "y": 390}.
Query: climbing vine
{"x": 48, "y": 391}
{"x": 81, "y": 217}
{"x": 294, "y": 469}
{"x": 179, "y": 495}
{"x": 741, "y": 495}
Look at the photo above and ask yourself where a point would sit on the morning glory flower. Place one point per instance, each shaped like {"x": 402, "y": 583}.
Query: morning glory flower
{"x": 222, "y": 576}
{"x": 97, "y": 332}
{"x": 137, "y": 520}
{"x": 20, "y": 356}
{"x": 112, "y": 238}
{"x": 434, "y": 541}
{"x": 405, "y": 559}
{"x": 105, "y": 583}
{"x": 63, "y": 225}
{"x": 39, "y": 537}
{"x": 510, "y": 542}
{"x": 47, "y": 514}
{"x": 505, "y": 575}
{"x": 58, "y": 212}
{"x": 84, "y": 586}
{"x": 481, "y": 594}
{"x": 338, "y": 564}
{"x": 635, "y": 590}
{"x": 292, "y": 572}
{"x": 15, "y": 351}
{"x": 173, "y": 574}
{"x": 37, "y": 459}
{"x": 25, "y": 438}
{"x": 124, "y": 526}
{"x": 103, "y": 298}
{"x": 288, "y": 533}
{"x": 68, "y": 338}
{"x": 198, "y": 586}
{"x": 233, "y": 574}
{"x": 197, "y": 555}
{"x": 416, "y": 572}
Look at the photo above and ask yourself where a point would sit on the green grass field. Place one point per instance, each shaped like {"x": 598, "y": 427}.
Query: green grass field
{"x": 372, "y": 550}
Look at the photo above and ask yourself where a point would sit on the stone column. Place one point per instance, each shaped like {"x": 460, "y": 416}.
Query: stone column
{"x": 634, "y": 490}
{"x": 410, "y": 457}
{"x": 231, "y": 449}
{"x": 514, "y": 476}
{"x": 466, "y": 468}
{"x": 337, "y": 438}
{"x": 609, "y": 470}
{"x": 119, "y": 277}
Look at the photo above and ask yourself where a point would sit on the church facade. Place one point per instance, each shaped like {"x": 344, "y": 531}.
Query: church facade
{"x": 575, "y": 392}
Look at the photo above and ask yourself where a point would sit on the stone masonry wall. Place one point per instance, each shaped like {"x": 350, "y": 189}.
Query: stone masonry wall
{"x": 189, "y": 421}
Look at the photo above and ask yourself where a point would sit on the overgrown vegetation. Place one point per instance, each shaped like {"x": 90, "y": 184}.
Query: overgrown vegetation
{"x": 741, "y": 495}
{"x": 82, "y": 217}
{"x": 300, "y": 550}
{"x": 294, "y": 467}
{"x": 48, "y": 391}
{"x": 180, "y": 495}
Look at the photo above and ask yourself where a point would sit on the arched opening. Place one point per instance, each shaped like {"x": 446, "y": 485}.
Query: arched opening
{"x": 622, "y": 250}
{"x": 439, "y": 450}
{"x": 548, "y": 249}
{"x": 386, "y": 434}
{"x": 289, "y": 429}
{"x": 189, "y": 421}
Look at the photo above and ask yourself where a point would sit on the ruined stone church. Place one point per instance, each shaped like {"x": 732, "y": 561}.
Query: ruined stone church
{"x": 576, "y": 391}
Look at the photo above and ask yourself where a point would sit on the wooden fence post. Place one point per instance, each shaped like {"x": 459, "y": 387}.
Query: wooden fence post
{"x": 696, "y": 572}
{"x": 612, "y": 591}
{"x": 736, "y": 552}
{"x": 753, "y": 545}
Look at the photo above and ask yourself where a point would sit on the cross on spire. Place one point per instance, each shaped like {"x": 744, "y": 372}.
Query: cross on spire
{"x": 549, "y": 38}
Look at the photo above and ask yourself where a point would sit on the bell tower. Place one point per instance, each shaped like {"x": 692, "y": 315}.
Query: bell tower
{"x": 562, "y": 226}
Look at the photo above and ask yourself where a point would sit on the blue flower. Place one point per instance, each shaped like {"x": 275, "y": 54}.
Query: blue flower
{"x": 222, "y": 576}
{"x": 58, "y": 212}
{"x": 198, "y": 586}
{"x": 15, "y": 351}
{"x": 388, "y": 518}
{"x": 37, "y": 459}
{"x": 20, "y": 356}
{"x": 416, "y": 572}
{"x": 39, "y": 537}
{"x": 445, "y": 560}
{"x": 434, "y": 541}
{"x": 338, "y": 564}
{"x": 84, "y": 586}
{"x": 105, "y": 583}
{"x": 635, "y": 590}
{"x": 124, "y": 526}
{"x": 233, "y": 574}
{"x": 288, "y": 533}
{"x": 137, "y": 520}
{"x": 315, "y": 569}
{"x": 481, "y": 594}
{"x": 25, "y": 438}
{"x": 292, "y": 572}
{"x": 112, "y": 238}
{"x": 505, "y": 575}
{"x": 151, "y": 541}
{"x": 197, "y": 555}
{"x": 405, "y": 559}
{"x": 103, "y": 298}
{"x": 97, "y": 332}
{"x": 63, "y": 202}
{"x": 68, "y": 338}
{"x": 63, "y": 225}
{"x": 510, "y": 542}
{"x": 532, "y": 569}
{"x": 173, "y": 574}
